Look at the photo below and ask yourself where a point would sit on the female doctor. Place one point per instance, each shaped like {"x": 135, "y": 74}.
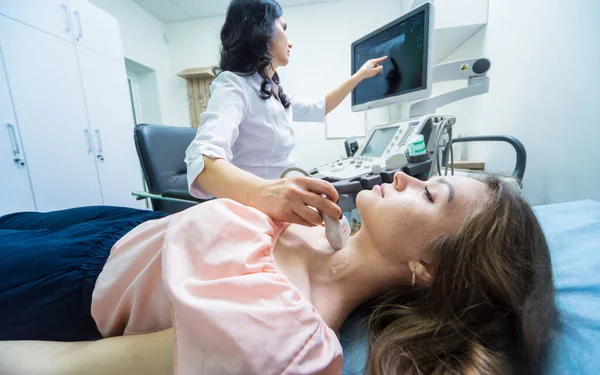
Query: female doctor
{"x": 245, "y": 137}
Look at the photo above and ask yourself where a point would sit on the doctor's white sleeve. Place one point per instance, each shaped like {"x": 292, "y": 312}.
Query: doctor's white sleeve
{"x": 306, "y": 110}
{"x": 218, "y": 128}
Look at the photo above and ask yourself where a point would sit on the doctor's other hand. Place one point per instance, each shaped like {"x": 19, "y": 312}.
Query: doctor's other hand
{"x": 371, "y": 68}
{"x": 287, "y": 199}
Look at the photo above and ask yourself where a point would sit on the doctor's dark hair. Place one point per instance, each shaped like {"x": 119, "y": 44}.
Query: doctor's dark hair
{"x": 490, "y": 308}
{"x": 245, "y": 40}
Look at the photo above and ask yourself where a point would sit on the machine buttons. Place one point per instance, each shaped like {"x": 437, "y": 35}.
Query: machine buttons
{"x": 376, "y": 168}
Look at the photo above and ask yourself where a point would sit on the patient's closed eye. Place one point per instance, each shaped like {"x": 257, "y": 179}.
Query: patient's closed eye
{"x": 427, "y": 194}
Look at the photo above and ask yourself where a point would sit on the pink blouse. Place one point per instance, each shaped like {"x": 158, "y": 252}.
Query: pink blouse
{"x": 210, "y": 273}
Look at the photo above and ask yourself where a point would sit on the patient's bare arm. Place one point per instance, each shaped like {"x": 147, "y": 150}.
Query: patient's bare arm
{"x": 150, "y": 353}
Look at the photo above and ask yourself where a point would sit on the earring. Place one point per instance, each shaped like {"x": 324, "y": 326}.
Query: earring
{"x": 414, "y": 279}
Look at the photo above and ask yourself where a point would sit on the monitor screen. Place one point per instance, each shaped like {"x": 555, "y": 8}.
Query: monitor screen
{"x": 379, "y": 141}
{"x": 405, "y": 42}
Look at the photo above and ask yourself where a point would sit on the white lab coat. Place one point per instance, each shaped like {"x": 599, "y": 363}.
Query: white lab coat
{"x": 253, "y": 134}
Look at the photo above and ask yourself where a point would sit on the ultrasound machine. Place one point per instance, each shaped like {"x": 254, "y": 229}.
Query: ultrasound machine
{"x": 408, "y": 76}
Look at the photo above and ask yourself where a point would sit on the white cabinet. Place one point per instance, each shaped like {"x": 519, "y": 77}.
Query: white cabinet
{"x": 71, "y": 20}
{"x": 96, "y": 30}
{"x": 14, "y": 177}
{"x": 48, "y": 98}
{"x": 67, "y": 102}
{"x": 111, "y": 121}
{"x": 51, "y": 16}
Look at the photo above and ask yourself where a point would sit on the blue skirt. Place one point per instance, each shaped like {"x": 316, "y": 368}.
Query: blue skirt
{"x": 49, "y": 263}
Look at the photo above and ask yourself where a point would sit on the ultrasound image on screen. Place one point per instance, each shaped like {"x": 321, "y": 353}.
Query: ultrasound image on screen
{"x": 404, "y": 70}
{"x": 379, "y": 142}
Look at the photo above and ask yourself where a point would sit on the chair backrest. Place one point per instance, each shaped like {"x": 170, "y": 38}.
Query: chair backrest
{"x": 161, "y": 150}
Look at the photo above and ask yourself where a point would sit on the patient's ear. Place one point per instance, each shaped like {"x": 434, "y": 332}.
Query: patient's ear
{"x": 421, "y": 270}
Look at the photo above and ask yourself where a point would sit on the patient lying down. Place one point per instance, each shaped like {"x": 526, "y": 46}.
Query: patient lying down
{"x": 456, "y": 271}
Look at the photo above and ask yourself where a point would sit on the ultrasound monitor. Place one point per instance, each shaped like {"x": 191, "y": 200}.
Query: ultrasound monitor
{"x": 406, "y": 75}
{"x": 379, "y": 141}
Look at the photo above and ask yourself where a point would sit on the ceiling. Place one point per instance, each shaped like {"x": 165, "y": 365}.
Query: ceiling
{"x": 181, "y": 10}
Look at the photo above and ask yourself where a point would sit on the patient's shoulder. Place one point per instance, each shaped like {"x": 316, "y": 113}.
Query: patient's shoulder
{"x": 225, "y": 207}
{"x": 220, "y": 216}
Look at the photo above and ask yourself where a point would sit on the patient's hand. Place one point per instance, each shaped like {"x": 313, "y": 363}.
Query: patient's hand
{"x": 150, "y": 353}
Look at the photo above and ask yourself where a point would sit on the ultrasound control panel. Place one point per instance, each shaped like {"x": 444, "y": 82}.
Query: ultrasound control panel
{"x": 386, "y": 147}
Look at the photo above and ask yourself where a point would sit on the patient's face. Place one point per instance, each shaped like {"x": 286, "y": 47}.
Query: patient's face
{"x": 404, "y": 216}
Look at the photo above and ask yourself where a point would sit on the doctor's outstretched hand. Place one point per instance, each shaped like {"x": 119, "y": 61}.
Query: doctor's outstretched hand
{"x": 371, "y": 68}
{"x": 287, "y": 199}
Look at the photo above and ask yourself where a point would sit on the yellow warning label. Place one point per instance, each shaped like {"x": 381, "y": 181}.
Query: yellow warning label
{"x": 464, "y": 67}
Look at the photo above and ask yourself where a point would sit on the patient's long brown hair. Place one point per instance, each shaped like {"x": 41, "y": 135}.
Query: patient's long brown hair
{"x": 490, "y": 308}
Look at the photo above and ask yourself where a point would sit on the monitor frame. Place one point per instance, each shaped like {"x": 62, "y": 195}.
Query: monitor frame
{"x": 415, "y": 94}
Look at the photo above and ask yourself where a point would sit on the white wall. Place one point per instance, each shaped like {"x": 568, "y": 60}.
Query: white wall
{"x": 544, "y": 90}
{"x": 321, "y": 34}
{"x": 193, "y": 44}
{"x": 143, "y": 43}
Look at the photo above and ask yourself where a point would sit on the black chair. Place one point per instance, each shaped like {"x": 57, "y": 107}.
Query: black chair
{"x": 161, "y": 150}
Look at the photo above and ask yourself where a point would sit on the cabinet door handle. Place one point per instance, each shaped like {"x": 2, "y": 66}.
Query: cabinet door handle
{"x": 13, "y": 139}
{"x": 15, "y": 145}
{"x": 67, "y": 20}
{"x": 88, "y": 141}
{"x": 99, "y": 141}
{"x": 78, "y": 18}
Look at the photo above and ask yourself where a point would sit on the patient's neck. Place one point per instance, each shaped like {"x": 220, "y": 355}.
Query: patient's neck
{"x": 336, "y": 282}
